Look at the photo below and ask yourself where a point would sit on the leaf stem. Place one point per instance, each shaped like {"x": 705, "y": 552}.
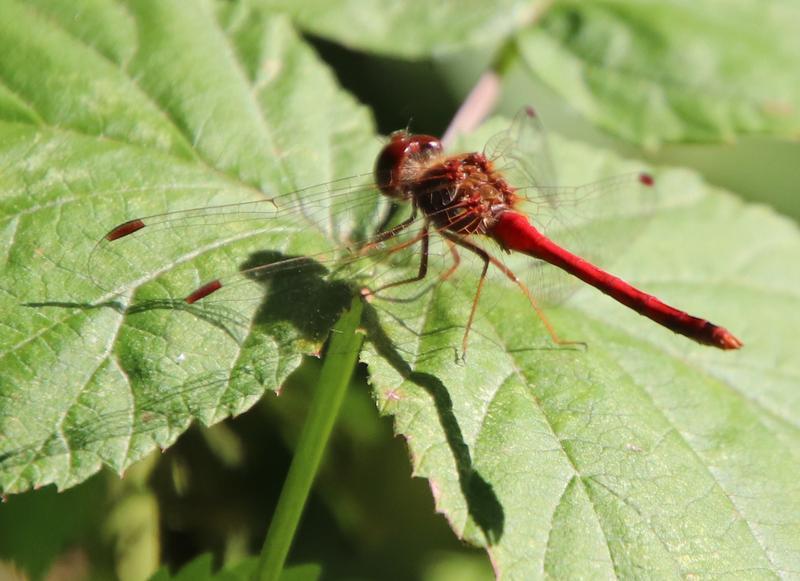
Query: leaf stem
{"x": 340, "y": 362}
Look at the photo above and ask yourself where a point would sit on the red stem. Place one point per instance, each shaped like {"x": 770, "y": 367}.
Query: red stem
{"x": 514, "y": 232}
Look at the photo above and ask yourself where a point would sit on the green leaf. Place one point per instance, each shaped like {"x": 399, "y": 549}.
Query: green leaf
{"x": 643, "y": 452}
{"x": 675, "y": 71}
{"x": 413, "y": 29}
{"x": 83, "y": 381}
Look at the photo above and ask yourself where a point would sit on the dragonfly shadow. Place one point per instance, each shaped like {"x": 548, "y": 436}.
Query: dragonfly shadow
{"x": 299, "y": 291}
{"x": 114, "y": 305}
{"x": 301, "y": 295}
{"x": 225, "y": 319}
{"x": 482, "y": 502}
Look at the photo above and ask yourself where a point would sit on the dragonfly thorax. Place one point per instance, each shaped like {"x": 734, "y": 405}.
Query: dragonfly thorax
{"x": 463, "y": 194}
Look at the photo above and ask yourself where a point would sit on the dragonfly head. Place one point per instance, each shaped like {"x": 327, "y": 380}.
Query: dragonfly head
{"x": 400, "y": 160}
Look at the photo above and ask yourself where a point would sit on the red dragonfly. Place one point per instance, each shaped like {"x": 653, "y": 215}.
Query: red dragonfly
{"x": 465, "y": 199}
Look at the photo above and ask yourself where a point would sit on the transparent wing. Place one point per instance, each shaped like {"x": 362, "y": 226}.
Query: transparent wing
{"x": 332, "y": 215}
{"x": 522, "y": 153}
{"x": 219, "y": 263}
{"x": 596, "y": 221}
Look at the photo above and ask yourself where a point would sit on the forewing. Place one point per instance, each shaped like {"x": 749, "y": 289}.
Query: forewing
{"x": 317, "y": 219}
{"x": 522, "y": 152}
{"x": 596, "y": 221}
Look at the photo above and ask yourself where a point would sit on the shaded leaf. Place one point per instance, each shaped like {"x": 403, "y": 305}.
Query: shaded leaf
{"x": 414, "y": 29}
{"x": 675, "y": 71}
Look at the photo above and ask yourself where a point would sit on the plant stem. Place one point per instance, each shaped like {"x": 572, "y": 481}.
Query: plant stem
{"x": 483, "y": 97}
{"x": 340, "y": 361}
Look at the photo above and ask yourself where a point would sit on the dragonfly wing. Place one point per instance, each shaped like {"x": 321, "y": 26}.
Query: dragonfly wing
{"x": 522, "y": 152}
{"x": 323, "y": 217}
{"x": 596, "y": 221}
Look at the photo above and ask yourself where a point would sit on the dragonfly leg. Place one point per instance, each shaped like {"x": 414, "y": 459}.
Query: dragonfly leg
{"x": 391, "y": 233}
{"x": 422, "y": 237}
{"x": 474, "y": 308}
{"x": 489, "y": 259}
{"x": 442, "y": 277}
{"x": 456, "y": 261}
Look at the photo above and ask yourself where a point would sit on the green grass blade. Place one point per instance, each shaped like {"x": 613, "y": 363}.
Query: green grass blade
{"x": 337, "y": 370}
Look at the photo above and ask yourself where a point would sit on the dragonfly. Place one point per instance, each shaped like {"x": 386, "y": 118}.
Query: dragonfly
{"x": 495, "y": 202}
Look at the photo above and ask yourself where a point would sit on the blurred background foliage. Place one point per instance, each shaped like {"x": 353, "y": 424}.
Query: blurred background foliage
{"x": 368, "y": 518}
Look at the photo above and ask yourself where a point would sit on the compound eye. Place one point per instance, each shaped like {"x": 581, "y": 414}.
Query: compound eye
{"x": 390, "y": 162}
{"x": 430, "y": 145}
